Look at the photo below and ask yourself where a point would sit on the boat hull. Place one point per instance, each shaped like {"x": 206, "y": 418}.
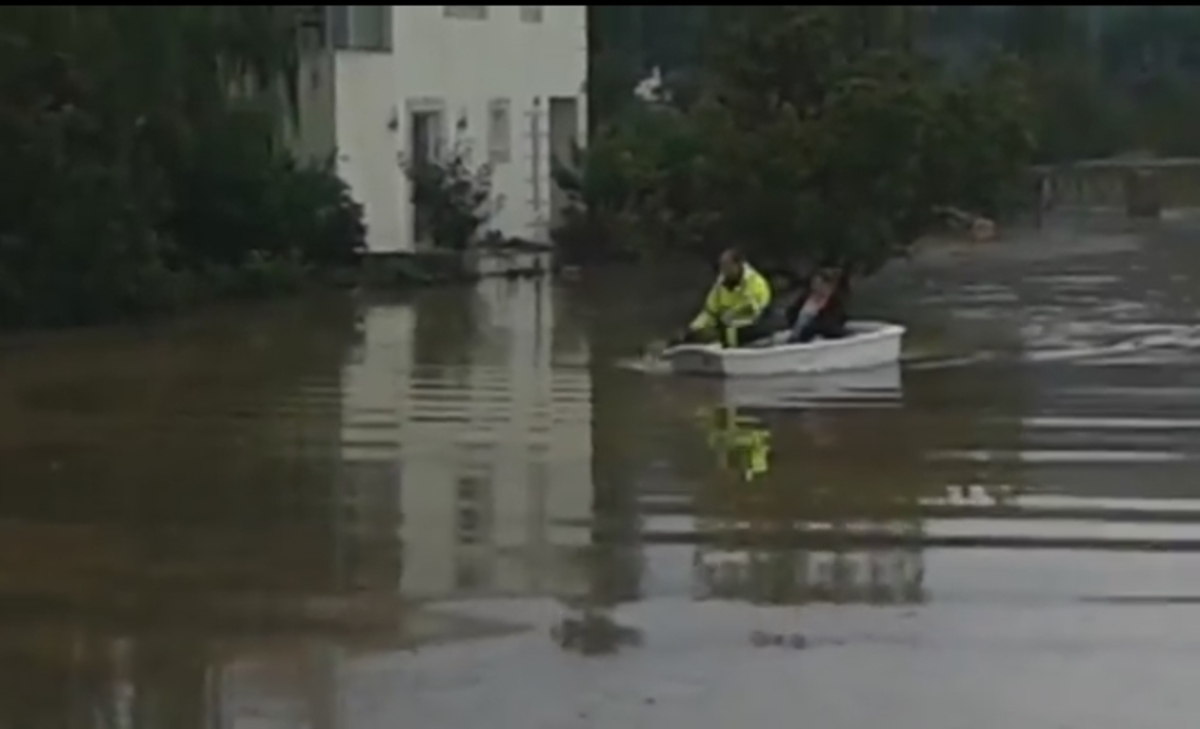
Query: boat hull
{"x": 868, "y": 344}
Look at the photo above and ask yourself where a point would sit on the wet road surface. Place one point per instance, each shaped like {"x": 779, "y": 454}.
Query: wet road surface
{"x": 476, "y": 510}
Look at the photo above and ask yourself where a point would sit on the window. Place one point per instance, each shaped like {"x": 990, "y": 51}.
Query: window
{"x": 465, "y": 12}
{"x": 311, "y": 22}
{"x": 531, "y": 13}
{"x": 362, "y": 27}
{"x": 499, "y": 132}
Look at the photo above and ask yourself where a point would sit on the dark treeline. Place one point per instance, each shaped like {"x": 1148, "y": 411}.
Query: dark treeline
{"x": 1106, "y": 79}
{"x": 147, "y": 166}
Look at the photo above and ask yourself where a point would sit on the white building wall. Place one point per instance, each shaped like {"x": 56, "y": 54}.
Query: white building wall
{"x": 365, "y": 98}
{"x": 459, "y": 65}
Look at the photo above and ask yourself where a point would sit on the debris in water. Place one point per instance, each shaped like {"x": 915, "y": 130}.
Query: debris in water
{"x": 763, "y": 639}
{"x": 594, "y": 633}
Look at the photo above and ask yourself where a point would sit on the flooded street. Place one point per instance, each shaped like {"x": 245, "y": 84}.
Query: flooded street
{"x": 477, "y": 509}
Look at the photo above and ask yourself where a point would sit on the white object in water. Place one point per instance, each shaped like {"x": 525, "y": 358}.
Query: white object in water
{"x": 866, "y": 344}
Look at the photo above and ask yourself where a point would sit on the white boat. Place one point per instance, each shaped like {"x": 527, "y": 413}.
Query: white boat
{"x": 867, "y": 344}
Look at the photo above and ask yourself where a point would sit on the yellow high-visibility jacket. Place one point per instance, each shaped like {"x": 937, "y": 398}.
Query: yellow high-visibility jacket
{"x": 735, "y": 307}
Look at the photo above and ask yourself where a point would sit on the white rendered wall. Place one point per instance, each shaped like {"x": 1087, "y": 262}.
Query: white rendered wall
{"x": 459, "y": 65}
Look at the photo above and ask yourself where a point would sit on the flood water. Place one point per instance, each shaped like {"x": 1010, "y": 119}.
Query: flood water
{"x": 250, "y": 518}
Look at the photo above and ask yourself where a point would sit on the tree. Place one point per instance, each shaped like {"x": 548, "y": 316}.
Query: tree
{"x": 819, "y": 135}
{"x": 143, "y": 161}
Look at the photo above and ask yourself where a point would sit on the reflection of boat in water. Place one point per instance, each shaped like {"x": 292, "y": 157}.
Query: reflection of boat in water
{"x": 868, "y": 344}
{"x": 875, "y": 386}
{"x": 738, "y": 426}
{"x": 741, "y": 443}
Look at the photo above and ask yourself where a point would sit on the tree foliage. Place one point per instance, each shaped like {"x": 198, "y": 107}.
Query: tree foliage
{"x": 818, "y": 134}
{"x": 1104, "y": 79}
{"x": 143, "y": 163}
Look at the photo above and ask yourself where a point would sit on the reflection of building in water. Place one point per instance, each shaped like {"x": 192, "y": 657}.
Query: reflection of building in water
{"x": 367, "y": 508}
{"x": 886, "y": 575}
{"x": 485, "y": 451}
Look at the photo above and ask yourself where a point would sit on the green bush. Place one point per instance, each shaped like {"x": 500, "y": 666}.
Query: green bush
{"x": 235, "y": 196}
{"x": 631, "y": 189}
{"x": 137, "y": 179}
{"x": 453, "y": 197}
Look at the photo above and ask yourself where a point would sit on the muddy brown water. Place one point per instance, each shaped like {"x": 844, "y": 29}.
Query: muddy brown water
{"x": 281, "y": 479}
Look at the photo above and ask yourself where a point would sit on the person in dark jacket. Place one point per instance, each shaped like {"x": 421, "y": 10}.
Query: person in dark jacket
{"x": 821, "y": 312}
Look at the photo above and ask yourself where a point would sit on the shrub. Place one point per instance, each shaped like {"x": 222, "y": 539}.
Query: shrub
{"x": 453, "y": 197}
{"x": 136, "y": 180}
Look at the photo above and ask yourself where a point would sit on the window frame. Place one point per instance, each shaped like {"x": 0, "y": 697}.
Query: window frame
{"x": 465, "y": 12}
{"x": 345, "y": 34}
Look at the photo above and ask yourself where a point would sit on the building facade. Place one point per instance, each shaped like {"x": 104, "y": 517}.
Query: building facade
{"x": 383, "y": 85}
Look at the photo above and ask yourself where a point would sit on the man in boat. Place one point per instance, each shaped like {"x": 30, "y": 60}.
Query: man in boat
{"x": 737, "y": 308}
{"x": 821, "y": 312}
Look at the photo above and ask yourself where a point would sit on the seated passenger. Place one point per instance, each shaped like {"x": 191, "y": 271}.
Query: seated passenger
{"x": 737, "y": 309}
{"x": 822, "y": 312}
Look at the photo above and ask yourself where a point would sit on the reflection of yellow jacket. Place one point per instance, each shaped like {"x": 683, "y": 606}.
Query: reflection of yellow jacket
{"x": 735, "y": 307}
{"x": 733, "y": 437}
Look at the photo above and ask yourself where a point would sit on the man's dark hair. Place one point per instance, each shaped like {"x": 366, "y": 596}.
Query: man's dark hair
{"x": 735, "y": 255}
